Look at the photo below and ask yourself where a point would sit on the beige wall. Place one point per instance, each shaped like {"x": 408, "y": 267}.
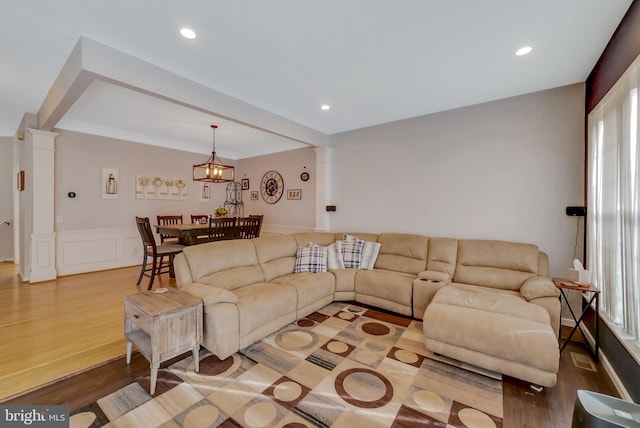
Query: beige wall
{"x": 285, "y": 215}
{"x": 500, "y": 170}
{"x": 79, "y": 162}
{"x": 6, "y": 197}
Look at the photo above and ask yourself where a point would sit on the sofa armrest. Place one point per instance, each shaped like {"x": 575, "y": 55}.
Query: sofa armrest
{"x": 182, "y": 270}
{"x": 539, "y": 286}
{"x": 425, "y": 288}
{"x": 210, "y": 295}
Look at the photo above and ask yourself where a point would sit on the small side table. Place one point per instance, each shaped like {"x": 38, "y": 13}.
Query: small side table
{"x": 567, "y": 284}
{"x": 163, "y": 326}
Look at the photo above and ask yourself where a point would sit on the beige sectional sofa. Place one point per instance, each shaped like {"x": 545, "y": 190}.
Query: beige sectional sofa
{"x": 488, "y": 303}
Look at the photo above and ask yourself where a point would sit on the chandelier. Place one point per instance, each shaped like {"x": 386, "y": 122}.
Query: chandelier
{"x": 214, "y": 171}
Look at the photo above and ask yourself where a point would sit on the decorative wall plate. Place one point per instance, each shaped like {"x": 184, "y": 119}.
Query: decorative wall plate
{"x": 304, "y": 176}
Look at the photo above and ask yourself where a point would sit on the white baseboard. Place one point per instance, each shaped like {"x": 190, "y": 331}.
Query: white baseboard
{"x": 624, "y": 394}
{"x": 6, "y": 259}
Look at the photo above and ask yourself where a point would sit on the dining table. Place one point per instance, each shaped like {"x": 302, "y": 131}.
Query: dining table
{"x": 187, "y": 234}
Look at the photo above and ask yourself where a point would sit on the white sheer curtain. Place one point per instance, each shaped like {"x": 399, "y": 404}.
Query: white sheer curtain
{"x": 613, "y": 215}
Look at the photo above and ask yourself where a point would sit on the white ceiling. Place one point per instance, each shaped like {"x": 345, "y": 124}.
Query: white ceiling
{"x": 372, "y": 61}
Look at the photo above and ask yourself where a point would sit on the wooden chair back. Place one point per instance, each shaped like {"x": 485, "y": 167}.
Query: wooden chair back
{"x": 199, "y": 219}
{"x": 146, "y": 233}
{"x": 222, "y": 228}
{"x": 249, "y": 227}
{"x": 168, "y": 219}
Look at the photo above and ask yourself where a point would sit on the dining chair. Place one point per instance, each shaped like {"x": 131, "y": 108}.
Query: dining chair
{"x": 163, "y": 220}
{"x": 249, "y": 227}
{"x": 157, "y": 252}
{"x": 261, "y": 218}
{"x": 199, "y": 219}
{"x": 204, "y": 220}
{"x": 222, "y": 228}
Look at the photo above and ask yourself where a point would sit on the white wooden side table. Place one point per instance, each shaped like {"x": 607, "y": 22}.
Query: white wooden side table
{"x": 163, "y": 326}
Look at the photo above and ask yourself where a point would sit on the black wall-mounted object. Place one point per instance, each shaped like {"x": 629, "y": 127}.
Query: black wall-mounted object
{"x": 330, "y": 208}
{"x": 576, "y": 211}
{"x": 71, "y": 195}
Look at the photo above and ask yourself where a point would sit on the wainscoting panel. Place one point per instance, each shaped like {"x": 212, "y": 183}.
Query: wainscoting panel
{"x": 42, "y": 257}
{"x": 80, "y": 251}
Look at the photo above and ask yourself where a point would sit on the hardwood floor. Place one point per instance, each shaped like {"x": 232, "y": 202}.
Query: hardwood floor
{"x": 53, "y": 329}
{"x": 72, "y": 328}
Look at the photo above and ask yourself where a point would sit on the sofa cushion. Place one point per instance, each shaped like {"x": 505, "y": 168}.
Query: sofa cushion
{"x": 496, "y": 264}
{"x": 321, "y": 238}
{"x": 311, "y": 259}
{"x": 261, "y": 303}
{"x": 224, "y": 264}
{"x": 311, "y": 287}
{"x": 402, "y": 252}
{"x": 490, "y": 301}
{"x": 276, "y": 255}
{"x": 501, "y": 325}
{"x": 442, "y": 256}
{"x": 388, "y": 285}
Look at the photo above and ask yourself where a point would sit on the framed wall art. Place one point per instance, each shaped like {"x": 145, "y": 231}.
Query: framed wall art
{"x": 294, "y": 194}
{"x": 155, "y": 187}
{"x": 109, "y": 183}
{"x": 245, "y": 184}
{"x": 254, "y": 195}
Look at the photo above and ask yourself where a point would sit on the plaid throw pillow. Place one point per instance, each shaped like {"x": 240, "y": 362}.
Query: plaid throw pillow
{"x": 311, "y": 259}
{"x": 352, "y": 252}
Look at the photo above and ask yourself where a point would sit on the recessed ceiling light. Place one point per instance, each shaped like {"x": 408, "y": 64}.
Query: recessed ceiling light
{"x": 524, "y": 50}
{"x": 325, "y": 107}
{"x": 187, "y": 33}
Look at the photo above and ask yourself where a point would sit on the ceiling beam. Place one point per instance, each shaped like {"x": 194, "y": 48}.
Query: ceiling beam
{"x": 91, "y": 60}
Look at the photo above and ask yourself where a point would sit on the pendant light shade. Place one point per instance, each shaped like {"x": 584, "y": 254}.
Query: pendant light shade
{"x": 214, "y": 171}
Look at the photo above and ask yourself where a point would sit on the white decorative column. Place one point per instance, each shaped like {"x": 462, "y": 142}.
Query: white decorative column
{"x": 323, "y": 188}
{"x": 40, "y": 184}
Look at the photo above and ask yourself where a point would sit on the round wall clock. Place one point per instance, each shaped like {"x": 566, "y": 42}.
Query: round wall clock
{"x": 272, "y": 187}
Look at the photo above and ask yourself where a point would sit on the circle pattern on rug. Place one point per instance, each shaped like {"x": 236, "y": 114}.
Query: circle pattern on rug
{"x": 296, "y": 339}
{"x": 287, "y": 391}
{"x": 260, "y": 415}
{"x": 406, "y": 356}
{"x": 202, "y": 416}
{"x": 346, "y": 315}
{"x": 473, "y": 418}
{"x": 213, "y": 366}
{"x": 364, "y": 388}
{"x": 84, "y": 419}
{"x": 429, "y": 401}
{"x": 304, "y": 322}
{"x": 375, "y": 329}
{"x": 337, "y": 347}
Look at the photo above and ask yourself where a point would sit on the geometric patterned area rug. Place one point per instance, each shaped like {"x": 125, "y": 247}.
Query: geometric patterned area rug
{"x": 342, "y": 366}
